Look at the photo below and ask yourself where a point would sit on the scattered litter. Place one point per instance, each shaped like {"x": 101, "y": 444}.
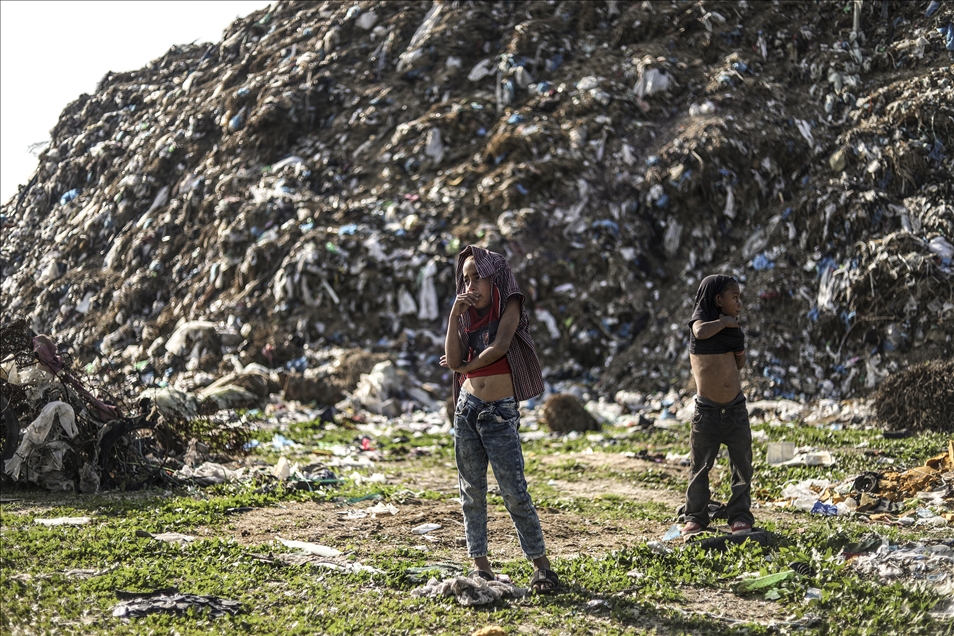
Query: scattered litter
{"x": 63, "y": 521}
{"x": 884, "y": 495}
{"x": 382, "y": 508}
{"x": 812, "y": 458}
{"x": 207, "y": 474}
{"x": 49, "y": 457}
{"x": 779, "y": 453}
{"x": 470, "y": 592}
{"x": 170, "y": 601}
{"x": 658, "y": 547}
{"x": 319, "y": 561}
{"x": 923, "y": 564}
{"x": 764, "y": 582}
{"x": 425, "y": 528}
{"x": 167, "y": 537}
{"x": 310, "y": 548}
{"x": 674, "y": 532}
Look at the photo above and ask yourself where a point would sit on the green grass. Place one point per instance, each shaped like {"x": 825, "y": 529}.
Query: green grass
{"x": 299, "y": 599}
{"x": 614, "y": 439}
{"x": 605, "y": 507}
{"x": 635, "y": 590}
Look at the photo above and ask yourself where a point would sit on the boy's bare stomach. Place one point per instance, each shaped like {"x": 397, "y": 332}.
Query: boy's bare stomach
{"x": 717, "y": 376}
{"x": 490, "y": 388}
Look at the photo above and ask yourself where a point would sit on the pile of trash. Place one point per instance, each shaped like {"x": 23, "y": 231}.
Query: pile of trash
{"x": 920, "y": 397}
{"x": 306, "y": 182}
{"x": 921, "y": 496}
{"x": 63, "y": 432}
{"x": 60, "y": 435}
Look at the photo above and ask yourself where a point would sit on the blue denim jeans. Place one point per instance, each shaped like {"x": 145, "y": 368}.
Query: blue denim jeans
{"x": 488, "y": 432}
{"x": 713, "y": 425}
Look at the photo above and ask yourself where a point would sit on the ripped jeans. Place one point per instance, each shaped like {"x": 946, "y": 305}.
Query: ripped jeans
{"x": 488, "y": 432}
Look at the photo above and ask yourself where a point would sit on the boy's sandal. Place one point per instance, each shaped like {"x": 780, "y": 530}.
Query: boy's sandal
{"x": 544, "y": 581}
{"x": 481, "y": 574}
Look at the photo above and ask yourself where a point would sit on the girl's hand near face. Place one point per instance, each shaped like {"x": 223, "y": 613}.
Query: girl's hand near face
{"x": 463, "y": 303}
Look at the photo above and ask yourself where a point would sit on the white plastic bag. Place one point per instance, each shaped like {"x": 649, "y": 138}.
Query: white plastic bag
{"x": 37, "y": 432}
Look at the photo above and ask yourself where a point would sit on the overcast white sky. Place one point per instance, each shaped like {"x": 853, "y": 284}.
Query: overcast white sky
{"x": 51, "y": 52}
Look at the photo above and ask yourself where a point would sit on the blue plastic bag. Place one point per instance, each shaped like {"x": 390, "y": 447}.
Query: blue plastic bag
{"x": 948, "y": 33}
{"x": 69, "y": 196}
{"x": 820, "y": 508}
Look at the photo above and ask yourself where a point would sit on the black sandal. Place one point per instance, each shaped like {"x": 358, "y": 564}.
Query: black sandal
{"x": 544, "y": 581}
{"x": 481, "y": 574}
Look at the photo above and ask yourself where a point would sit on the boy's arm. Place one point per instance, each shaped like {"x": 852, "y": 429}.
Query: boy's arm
{"x": 506, "y": 328}
{"x": 702, "y": 330}
{"x": 739, "y": 359}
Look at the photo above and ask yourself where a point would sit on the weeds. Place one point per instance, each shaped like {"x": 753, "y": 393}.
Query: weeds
{"x": 64, "y": 579}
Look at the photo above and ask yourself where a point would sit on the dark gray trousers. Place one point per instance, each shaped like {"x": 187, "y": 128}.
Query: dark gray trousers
{"x": 713, "y": 425}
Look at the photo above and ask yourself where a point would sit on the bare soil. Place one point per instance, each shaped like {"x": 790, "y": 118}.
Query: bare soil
{"x": 568, "y": 534}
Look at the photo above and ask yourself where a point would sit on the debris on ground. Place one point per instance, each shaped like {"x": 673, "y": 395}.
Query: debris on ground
{"x": 470, "y": 591}
{"x": 920, "y": 564}
{"x": 170, "y": 601}
{"x": 310, "y": 548}
{"x": 63, "y": 521}
{"x": 167, "y": 537}
{"x": 318, "y": 556}
{"x": 764, "y": 583}
{"x": 921, "y": 496}
{"x": 63, "y": 436}
{"x": 78, "y": 441}
{"x": 317, "y": 561}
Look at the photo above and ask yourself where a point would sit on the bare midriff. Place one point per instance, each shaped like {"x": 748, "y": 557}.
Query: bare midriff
{"x": 717, "y": 376}
{"x": 490, "y": 388}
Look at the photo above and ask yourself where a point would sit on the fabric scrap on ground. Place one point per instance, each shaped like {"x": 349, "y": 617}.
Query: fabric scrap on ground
{"x": 470, "y": 592}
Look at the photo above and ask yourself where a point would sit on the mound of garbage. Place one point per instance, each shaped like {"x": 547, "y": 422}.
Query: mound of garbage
{"x": 919, "y": 398}
{"x": 306, "y": 182}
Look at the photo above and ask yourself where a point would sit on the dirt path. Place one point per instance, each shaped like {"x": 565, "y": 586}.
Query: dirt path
{"x": 352, "y": 527}
{"x": 360, "y": 534}
{"x": 566, "y": 533}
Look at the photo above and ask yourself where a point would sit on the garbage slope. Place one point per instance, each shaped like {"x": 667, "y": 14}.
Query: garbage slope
{"x": 307, "y": 180}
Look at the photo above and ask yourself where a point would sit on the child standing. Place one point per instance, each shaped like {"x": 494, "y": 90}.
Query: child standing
{"x": 489, "y": 348}
{"x": 717, "y": 353}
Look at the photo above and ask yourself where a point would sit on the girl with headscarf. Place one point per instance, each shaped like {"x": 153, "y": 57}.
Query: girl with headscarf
{"x": 489, "y": 349}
